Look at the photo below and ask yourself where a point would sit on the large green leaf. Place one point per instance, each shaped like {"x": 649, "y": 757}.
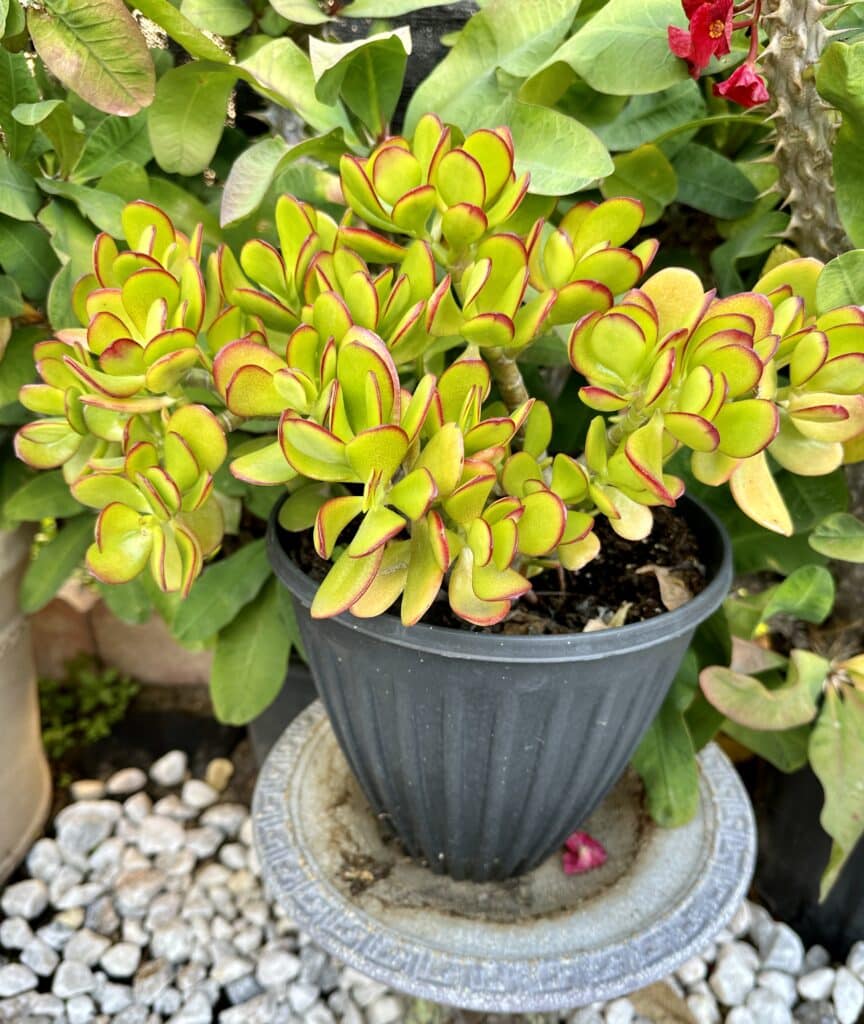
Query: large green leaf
{"x": 507, "y": 36}
{"x": 837, "y": 758}
{"x": 748, "y": 702}
{"x": 304, "y": 12}
{"x": 97, "y": 50}
{"x": 16, "y": 366}
{"x": 128, "y": 601}
{"x": 112, "y": 141}
{"x": 55, "y": 562}
{"x": 667, "y": 764}
{"x": 255, "y": 170}
{"x": 16, "y": 86}
{"x": 710, "y": 182}
{"x": 283, "y": 73}
{"x": 11, "y": 300}
{"x": 786, "y": 750}
{"x": 366, "y": 74}
{"x": 44, "y": 496}
{"x": 808, "y": 594}
{"x": 220, "y": 592}
{"x": 102, "y": 208}
{"x": 250, "y": 659}
{"x": 645, "y": 174}
{"x": 181, "y": 30}
{"x": 646, "y": 117}
{"x": 188, "y": 115}
{"x": 624, "y": 48}
{"x": 26, "y": 254}
{"x": 224, "y": 17}
{"x": 752, "y": 236}
{"x": 839, "y": 74}
{"x": 841, "y": 283}
{"x": 19, "y": 197}
{"x": 840, "y": 536}
{"x": 386, "y": 8}
{"x": 64, "y": 130}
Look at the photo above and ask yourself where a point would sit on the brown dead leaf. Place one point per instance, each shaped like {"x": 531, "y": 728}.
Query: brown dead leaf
{"x": 617, "y": 619}
{"x": 673, "y": 590}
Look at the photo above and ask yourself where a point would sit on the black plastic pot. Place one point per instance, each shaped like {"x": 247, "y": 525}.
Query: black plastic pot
{"x": 485, "y": 751}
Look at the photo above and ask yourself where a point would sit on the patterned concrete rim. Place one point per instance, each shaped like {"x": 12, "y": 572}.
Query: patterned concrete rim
{"x": 473, "y": 982}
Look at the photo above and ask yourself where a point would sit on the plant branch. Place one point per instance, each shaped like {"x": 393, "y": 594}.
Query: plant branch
{"x": 508, "y": 377}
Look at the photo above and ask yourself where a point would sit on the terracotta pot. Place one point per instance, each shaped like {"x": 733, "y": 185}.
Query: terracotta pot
{"x": 25, "y": 781}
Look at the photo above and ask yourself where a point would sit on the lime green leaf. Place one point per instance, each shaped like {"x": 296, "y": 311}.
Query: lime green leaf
{"x": 42, "y": 497}
{"x": 26, "y": 255}
{"x": 808, "y": 594}
{"x": 841, "y": 536}
{"x": 667, "y": 764}
{"x": 16, "y": 86}
{"x": 54, "y": 563}
{"x": 304, "y": 12}
{"x": 841, "y": 283}
{"x": 95, "y": 49}
{"x": 112, "y": 141}
{"x": 11, "y": 300}
{"x": 181, "y": 30}
{"x": 837, "y": 758}
{"x": 102, "y": 208}
{"x": 624, "y": 48}
{"x": 218, "y": 595}
{"x": 188, "y": 115}
{"x": 65, "y": 131}
{"x": 282, "y": 72}
{"x": 712, "y": 183}
{"x": 508, "y": 35}
{"x": 646, "y": 117}
{"x": 224, "y": 17}
{"x": 838, "y": 77}
{"x": 128, "y": 601}
{"x": 255, "y": 170}
{"x": 560, "y": 154}
{"x": 367, "y": 74}
{"x": 646, "y": 175}
{"x": 19, "y": 197}
{"x": 242, "y": 686}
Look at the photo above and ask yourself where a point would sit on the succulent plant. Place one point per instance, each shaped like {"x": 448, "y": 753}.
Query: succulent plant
{"x": 382, "y": 351}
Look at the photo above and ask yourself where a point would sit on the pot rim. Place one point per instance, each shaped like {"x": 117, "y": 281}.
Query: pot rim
{"x": 561, "y": 647}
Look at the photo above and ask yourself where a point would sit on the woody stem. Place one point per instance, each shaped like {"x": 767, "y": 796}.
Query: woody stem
{"x": 508, "y": 377}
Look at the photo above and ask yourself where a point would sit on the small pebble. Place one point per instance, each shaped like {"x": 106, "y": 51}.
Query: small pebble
{"x": 126, "y": 781}
{"x": 848, "y": 996}
{"x": 15, "y": 933}
{"x": 87, "y": 789}
{"x": 219, "y": 772}
{"x": 170, "y": 769}
{"x": 198, "y": 794}
{"x": 72, "y": 979}
{"x": 816, "y": 985}
{"x": 783, "y": 950}
{"x": 15, "y": 979}
{"x": 121, "y": 960}
{"x": 25, "y": 899}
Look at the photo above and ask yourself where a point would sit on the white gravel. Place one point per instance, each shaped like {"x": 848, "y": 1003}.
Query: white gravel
{"x": 148, "y": 908}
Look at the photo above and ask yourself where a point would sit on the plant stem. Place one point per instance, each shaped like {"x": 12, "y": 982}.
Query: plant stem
{"x": 508, "y": 377}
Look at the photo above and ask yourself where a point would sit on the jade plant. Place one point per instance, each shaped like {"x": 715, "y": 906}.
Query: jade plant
{"x": 375, "y": 359}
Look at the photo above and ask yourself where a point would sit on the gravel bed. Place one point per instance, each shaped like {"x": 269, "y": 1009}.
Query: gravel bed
{"x": 146, "y": 906}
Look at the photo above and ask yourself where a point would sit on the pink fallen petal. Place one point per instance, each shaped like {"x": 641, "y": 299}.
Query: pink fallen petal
{"x": 582, "y": 853}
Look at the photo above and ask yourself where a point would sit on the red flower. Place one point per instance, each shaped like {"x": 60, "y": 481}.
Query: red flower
{"x": 709, "y": 36}
{"x": 582, "y": 853}
{"x": 743, "y": 86}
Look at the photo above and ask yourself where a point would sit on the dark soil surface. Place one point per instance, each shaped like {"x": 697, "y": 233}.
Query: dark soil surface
{"x": 566, "y": 602}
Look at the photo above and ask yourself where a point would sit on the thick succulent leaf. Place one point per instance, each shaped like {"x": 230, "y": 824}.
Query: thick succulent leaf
{"x": 425, "y": 572}
{"x": 443, "y": 456}
{"x": 694, "y": 431}
{"x": 578, "y": 553}
{"x": 378, "y": 526}
{"x": 332, "y": 518}
{"x": 757, "y": 495}
{"x": 678, "y": 297}
{"x": 313, "y": 451}
{"x": 542, "y": 524}
{"x": 467, "y": 502}
{"x": 463, "y": 599}
{"x": 265, "y": 465}
{"x": 378, "y": 450}
{"x": 388, "y": 583}
{"x": 100, "y": 489}
{"x": 414, "y": 493}
{"x": 122, "y": 547}
{"x": 346, "y": 583}
{"x": 46, "y": 444}
{"x": 802, "y": 455}
{"x": 569, "y": 479}
{"x": 300, "y": 509}
{"x": 746, "y": 427}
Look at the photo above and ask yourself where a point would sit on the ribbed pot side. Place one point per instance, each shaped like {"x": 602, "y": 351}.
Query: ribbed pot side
{"x": 483, "y": 751}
